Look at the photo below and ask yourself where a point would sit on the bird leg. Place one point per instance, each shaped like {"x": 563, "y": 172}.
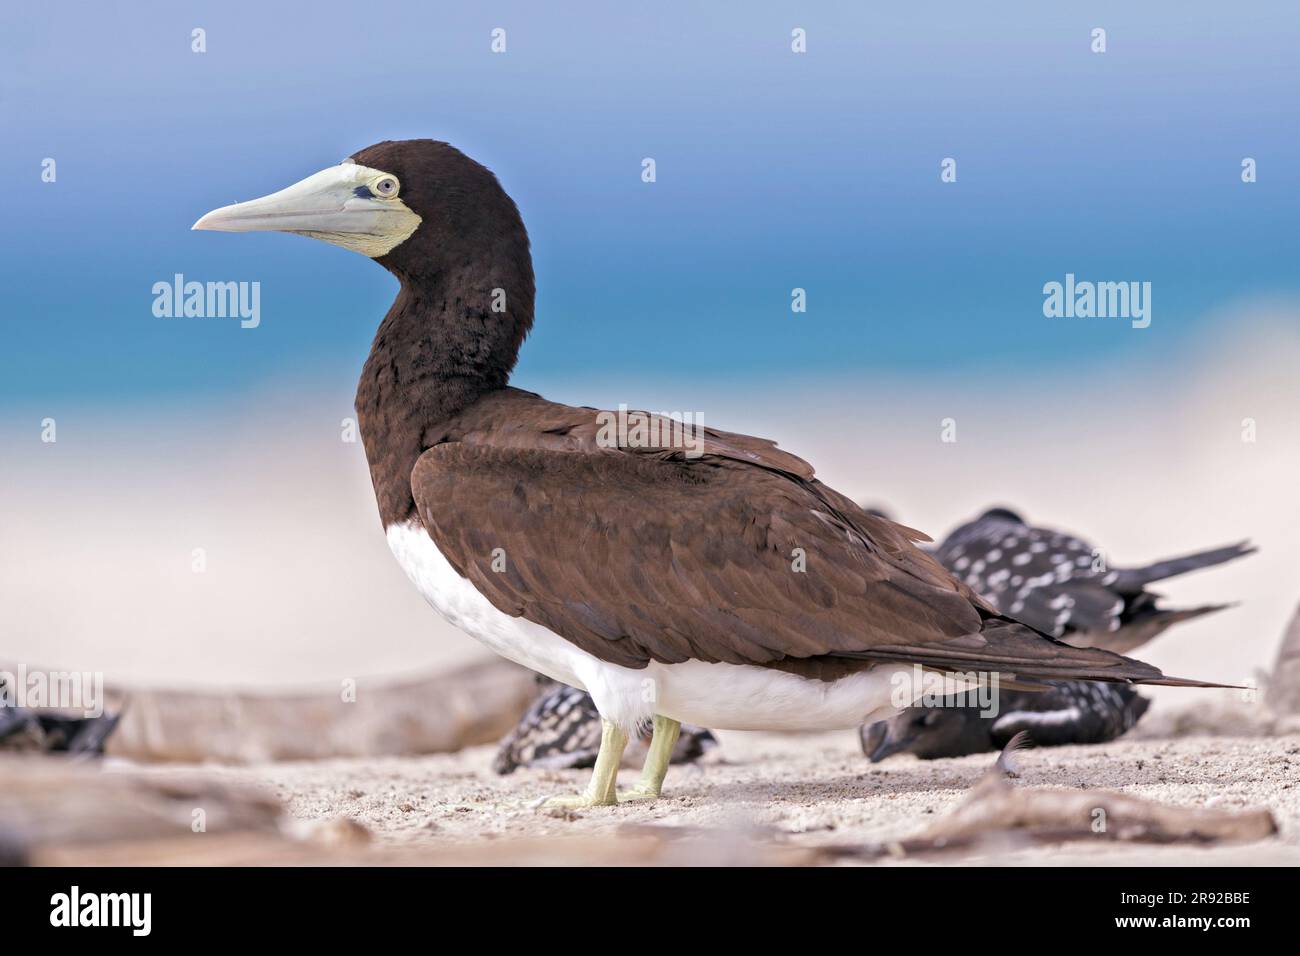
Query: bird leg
{"x": 660, "y": 754}
{"x": 601, "y": 790}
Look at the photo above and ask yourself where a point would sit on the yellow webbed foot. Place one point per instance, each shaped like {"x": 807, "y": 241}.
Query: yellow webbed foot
{"x": 639, "y": 792}
{"x": 576, "y": 801}
{"x": 600, "y": 792}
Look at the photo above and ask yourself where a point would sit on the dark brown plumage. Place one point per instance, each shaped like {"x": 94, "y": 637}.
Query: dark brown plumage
{"x": 633, "y": 554}
{"x": 590, "y": 559}
{"x": 441, "y": 346}
{"x": 639, "y": 554}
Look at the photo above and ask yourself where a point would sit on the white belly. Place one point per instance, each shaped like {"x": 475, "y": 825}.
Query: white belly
{"x": 718, "y": 696}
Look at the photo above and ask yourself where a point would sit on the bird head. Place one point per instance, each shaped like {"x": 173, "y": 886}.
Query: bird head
{"x": 1002, "y": 514}
{"x": 927, "y": 732}
{"x": 414, "y": 206}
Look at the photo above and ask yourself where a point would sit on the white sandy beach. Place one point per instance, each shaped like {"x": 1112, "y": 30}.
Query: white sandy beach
{"x": 771, "y": 792}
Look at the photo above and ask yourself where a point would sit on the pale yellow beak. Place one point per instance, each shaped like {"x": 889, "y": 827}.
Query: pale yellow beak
{"x": 336, "y": 205}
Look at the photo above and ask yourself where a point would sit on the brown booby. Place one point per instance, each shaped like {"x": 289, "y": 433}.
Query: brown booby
{"x": 727, "y": 587}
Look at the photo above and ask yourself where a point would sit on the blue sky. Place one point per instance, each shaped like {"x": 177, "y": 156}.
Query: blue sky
{"x": 775, "y": 170}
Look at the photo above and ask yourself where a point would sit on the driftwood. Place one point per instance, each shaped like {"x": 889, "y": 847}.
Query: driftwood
{"x": 55, "y": 812}
{"x": 998, "y": 815}
{"x": 444, "y": 712}
{"x": 644, "y": 849}
{"x": 436, "y": 714}
{"x": 48, "y": 802}
{"x": 1284, "y": 684}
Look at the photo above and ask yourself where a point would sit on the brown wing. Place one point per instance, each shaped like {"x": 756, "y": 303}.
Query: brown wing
{"x": 736, "y": 556}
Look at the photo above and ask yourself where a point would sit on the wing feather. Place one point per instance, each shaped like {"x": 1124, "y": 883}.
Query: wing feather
{"x": 738, "y": 556}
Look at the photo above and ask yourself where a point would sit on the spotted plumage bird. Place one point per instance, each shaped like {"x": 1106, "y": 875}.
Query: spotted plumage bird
{"x": 652, "y": 572}
{"x": 1068, "y": 712}
{"x": 1060, "y": 584}
{"x": 45, "y": 731}
{"x": 561, "y": 729}
{"x": 1063, "y": 585}
{"x": 78, "y": 735}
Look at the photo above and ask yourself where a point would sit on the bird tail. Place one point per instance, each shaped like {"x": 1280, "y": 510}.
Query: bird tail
{"x": 1011, "y": 648}
{"x": 1142, "y": 622}
{"x": 1165, "y": 617}
{"x": 1132, "y": 580}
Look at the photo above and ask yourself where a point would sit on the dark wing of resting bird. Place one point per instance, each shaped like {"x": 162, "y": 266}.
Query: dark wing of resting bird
{"x": 1062, "y": 585}
{"x": 1070, "y": 712}
{"x": 1050, "y": 580}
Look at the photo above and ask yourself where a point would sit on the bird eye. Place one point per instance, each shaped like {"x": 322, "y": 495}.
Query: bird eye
{"x": 385, "y": 187}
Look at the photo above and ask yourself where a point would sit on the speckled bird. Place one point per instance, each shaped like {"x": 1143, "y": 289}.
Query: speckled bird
{"x": 43, "y": 731}
{"x": 561, "y": 730}
{"x": 1068, "y": 712}
{"x": 1061, "y": 584}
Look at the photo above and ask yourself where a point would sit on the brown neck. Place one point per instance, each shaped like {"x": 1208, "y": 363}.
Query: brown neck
{"x": 444, "y": 343}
